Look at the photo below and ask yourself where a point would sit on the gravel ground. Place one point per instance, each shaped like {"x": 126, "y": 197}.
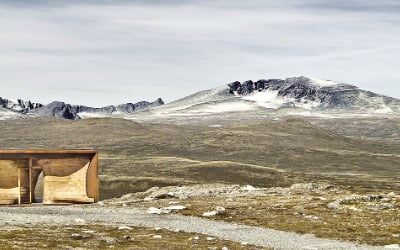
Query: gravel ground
{"x": 62, "y": 215}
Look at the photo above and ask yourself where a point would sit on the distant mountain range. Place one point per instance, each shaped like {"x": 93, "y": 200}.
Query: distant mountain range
{"x": 294, "y": 96}
{"x": 68, "y": 111}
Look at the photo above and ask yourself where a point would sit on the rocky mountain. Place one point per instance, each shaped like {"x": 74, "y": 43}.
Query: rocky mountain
{"x": 313, "y": 94}
{"x": 272, "y": 99}
{"x": 9, "y": 108}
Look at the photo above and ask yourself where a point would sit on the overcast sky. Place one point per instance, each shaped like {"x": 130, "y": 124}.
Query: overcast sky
{"x": 99, "y": 52}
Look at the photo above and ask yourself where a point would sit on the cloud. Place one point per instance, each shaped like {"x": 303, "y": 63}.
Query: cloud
{"x": 120, "y": 51}
{"x": 356, "y": 5}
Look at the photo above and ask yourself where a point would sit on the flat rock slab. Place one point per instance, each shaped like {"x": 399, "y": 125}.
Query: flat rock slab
{"x": 61, "y": 215}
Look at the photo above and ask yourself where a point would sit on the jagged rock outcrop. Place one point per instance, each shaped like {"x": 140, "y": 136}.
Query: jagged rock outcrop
{"x": 19, "y": 105}
{"x": 57, "y": 109}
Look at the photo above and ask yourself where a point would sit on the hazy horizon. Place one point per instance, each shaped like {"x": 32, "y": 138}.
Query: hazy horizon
{"x": 109, "y": 52}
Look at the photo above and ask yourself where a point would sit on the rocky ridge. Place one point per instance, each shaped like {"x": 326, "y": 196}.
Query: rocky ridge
{"x": 19, "y": 105}
{"x": 72, "y": 112}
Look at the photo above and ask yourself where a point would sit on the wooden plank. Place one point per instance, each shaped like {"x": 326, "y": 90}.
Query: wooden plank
{"x": 51, "y": 155}
{"x": 93, "y": 178}
{"x": 47, "y": 151}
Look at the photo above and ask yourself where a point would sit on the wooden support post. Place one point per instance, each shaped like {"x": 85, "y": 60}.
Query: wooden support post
{"x": 19, "y": 186}
{"x": 30, "y": 180}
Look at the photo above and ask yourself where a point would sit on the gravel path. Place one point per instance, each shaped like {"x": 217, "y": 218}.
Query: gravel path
{"x": 62, "y": 215}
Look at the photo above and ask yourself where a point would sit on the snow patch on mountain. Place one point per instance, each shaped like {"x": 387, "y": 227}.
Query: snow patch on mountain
{"x": 224, "y": 107}
{"x": 7, "y": 114}
{"x": 268, "y": 99}
{"x": 323, "y": 83}
{"x": 271, "y": 100}
{"x": 85, "y": 115}
{"x": 384, "y": 109}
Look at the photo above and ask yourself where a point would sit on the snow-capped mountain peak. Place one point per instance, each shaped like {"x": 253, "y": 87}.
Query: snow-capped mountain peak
{"x": 277, "y": 97}
{"x": 311, "y": 94}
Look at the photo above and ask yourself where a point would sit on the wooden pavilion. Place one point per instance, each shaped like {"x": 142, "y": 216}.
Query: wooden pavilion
{"x": 68, "y": 176}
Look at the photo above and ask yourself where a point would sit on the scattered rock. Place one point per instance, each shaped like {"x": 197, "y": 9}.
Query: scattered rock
{"x": 210, "y": 238}
{"x": 313, "y": 217}
{"x": 210, "y": 214}
{"x": 162, "y": 194}
{"x": 80, "y": 221}
{"x": 374, "y": 202}
{"x": 379, "y": 206}
{"x": 88, "y": 231}
{"x": 315, "y": 187}
{"x": 154, "y": 210}
{"x": 218, "y": 211}
{"x": 393, "y": 246}
{"x": 317, "y": 198}
{"x": 157, "y": 236}
{"x": 76, "y": 236}
{"x": 173, "y": 208}
{"x": 124, "y": 228}
{"x": 248, "y": 188}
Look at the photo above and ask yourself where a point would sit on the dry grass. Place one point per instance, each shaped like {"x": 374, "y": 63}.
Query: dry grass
{"x": 265, "y": 154}
{"x": 295, "y": 212}
{"x": 106, "y": 237}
